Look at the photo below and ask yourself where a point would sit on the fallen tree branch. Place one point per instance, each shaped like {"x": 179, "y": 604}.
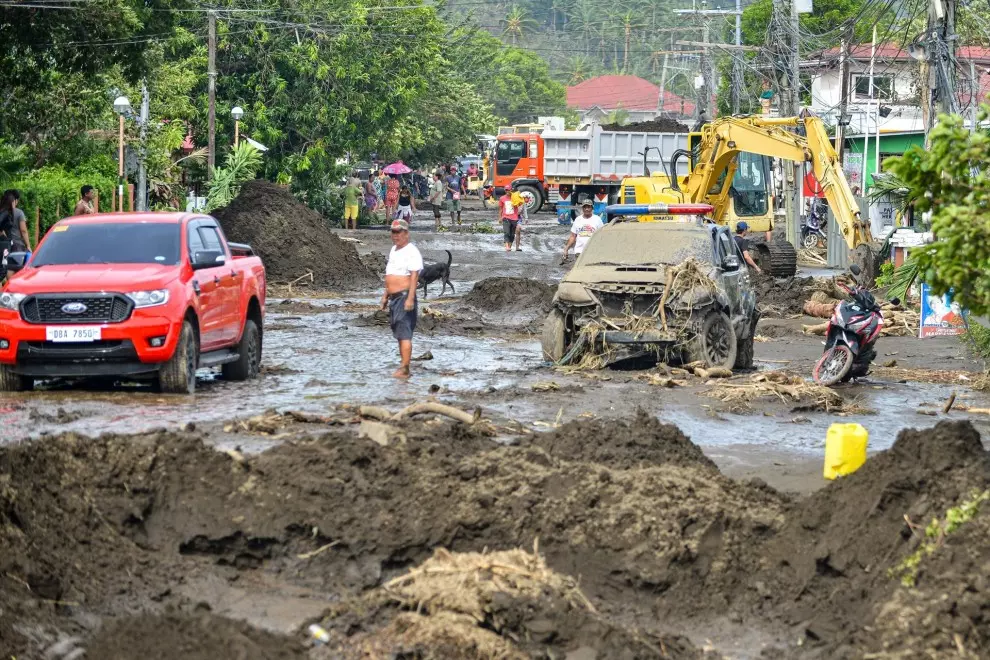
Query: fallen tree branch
{"x": 375, "y": 412}
{"x": 438, "y": 409}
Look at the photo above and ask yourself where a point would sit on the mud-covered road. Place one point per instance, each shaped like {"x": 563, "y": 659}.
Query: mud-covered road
{"x": 693, "y": 522}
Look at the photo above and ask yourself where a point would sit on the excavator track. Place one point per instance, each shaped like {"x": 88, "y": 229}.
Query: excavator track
{"x": 778, "y": 258}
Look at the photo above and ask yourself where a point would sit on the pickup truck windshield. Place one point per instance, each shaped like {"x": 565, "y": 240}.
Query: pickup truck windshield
{"x": 110, "y": 243}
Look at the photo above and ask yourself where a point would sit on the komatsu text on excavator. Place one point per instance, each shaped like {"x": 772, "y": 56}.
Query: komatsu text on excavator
{"x": 730, "y": 171}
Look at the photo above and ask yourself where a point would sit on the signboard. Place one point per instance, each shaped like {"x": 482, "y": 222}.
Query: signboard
{"x": 852, "y": 167}
{"x": 882, "y": 216}
{"x": 940, "y": 316}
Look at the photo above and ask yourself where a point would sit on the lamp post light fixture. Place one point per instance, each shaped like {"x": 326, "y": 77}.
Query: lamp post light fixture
{"x": 122, "y": 107}
{"x": 237, "y": 112}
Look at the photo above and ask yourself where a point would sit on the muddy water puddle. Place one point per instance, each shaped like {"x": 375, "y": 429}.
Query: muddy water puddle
{"x": 311, "y": 361}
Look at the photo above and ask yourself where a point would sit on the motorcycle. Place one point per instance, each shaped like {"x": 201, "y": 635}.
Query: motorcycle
{"x": 812, "y": 230}
{"x": 851, "y": 335}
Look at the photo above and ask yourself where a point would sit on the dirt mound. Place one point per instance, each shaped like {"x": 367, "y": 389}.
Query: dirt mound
{"x": 292, "y": 239}
{"x": 487, "y": 606}
{"x": 644, "y": 442}
{"x": 191, "y": 637}
{"x": 497, "y": 294}
{"x": 947, "y": 611}
{"x": 830, "y": 562}
{"x": 659, "y": 125}
{"x": 375, "y": 261}
{"x": 777, "y": 298}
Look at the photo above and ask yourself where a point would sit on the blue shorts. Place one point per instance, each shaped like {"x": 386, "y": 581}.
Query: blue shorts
{"x": 402, "y": 322}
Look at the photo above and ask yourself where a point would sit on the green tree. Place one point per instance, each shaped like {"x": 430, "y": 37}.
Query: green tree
{"x": 242, "y": 165}
{"x": 949, "y": 179}
{"x": 516, "y": 24}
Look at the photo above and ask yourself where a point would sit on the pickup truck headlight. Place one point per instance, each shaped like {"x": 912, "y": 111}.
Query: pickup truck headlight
{"x": 148, "y": 298}
{"x": 11, "y": 300}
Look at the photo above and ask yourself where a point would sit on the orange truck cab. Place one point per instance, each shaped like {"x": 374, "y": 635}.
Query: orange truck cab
{"x": 518, "y": 160}
{"x": 132, "y": 295}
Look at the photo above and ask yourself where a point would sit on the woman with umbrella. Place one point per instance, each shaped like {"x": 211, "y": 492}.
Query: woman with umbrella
{"x": 394, "y": 171}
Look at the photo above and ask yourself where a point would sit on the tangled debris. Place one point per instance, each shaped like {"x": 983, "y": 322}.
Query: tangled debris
{"x": 788, "y": 387}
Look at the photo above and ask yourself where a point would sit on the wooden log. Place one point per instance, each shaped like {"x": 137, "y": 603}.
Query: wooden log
{"x": 819, "y": 309}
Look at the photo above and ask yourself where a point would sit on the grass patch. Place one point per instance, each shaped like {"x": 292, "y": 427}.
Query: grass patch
{"x": 935, "y": 534}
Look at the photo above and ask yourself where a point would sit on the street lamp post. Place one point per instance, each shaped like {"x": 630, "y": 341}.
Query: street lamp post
{"x": 237, "y": 112}
{"x": 121, "y": 106}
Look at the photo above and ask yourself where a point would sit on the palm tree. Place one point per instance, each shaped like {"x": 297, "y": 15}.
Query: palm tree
{"x": 578, "y": 69}
{"x": 630, "y": 21}
{"x": 561, "y": 9}
{"x": 517, "y": 23}
{"x": 585, "y": 19}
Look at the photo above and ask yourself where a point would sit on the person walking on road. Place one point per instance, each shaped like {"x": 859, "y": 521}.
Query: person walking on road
{"x": 406, "y": 205}
{"x": 391, "y": 196}
{"x": 582, "y": 229}
{"x": 401, "y": 279}
{"x": 352, "y": 204}
{"x": 508, "y": 213}
{"x": 436, "y": 199}
{"x": 13, "y": 223}
{"x": 742, "y": 229}
{"x": 522, "y": 206}
{"x": 453, "y": 182}
{"x": 85, "y": 204}
{"x": 370, "y": 194}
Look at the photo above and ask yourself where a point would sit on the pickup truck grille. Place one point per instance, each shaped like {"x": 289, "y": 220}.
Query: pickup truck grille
{"x": 622, "y": 304}
{"x": 98, "y": 308}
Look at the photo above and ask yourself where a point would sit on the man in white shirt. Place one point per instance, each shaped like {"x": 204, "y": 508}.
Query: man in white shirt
{"x": 582, "y": 229}
{"x": 401, "y": 280}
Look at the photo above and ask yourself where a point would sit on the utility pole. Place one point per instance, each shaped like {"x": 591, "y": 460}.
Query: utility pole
{"x": 142, "y": 182}
{"x": 706, "y": 88}
{"x": 840, "y": 130}
{"x": 973, "y": 96}
{"x": 663, "y": 85}
{"x": 792, "y": 176}
{"x": 211, "y": 75}
{"x": 736, "y": 63}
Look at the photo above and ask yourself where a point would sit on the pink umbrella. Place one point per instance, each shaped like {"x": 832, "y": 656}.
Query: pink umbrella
{"x": 397, "y": 168}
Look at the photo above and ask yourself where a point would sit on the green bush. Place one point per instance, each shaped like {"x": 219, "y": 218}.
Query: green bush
{"x": 55, "y": 192}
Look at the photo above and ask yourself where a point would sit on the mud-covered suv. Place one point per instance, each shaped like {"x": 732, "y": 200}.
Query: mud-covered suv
{"x": 610, "y": 302}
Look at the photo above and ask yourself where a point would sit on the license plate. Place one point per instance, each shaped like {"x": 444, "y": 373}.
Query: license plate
{"x": 71, "y": 334}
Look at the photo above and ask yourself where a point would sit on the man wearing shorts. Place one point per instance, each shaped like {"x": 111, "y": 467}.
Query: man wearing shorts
{"x": 508, "y": 213}
{"x": 401, "y": 279}
{"x": 352, "y": 193}
{"x": 454, "y": 195}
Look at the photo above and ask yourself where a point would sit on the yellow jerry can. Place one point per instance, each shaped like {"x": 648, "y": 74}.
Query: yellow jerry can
{"x": 845, "y": 449}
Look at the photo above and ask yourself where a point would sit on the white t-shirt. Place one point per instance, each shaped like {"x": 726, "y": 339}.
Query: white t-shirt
{"x": 583, "y": 228}
{"x": 406, "y": 261}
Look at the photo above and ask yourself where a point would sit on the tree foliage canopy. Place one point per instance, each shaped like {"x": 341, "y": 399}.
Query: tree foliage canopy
{"x": 949, "y": 179}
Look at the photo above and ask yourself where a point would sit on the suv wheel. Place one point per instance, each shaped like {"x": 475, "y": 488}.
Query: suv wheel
{"x": 178, "y": 375}
{"x": 715, "y": 343}
{"x": 248, "y": 365}
{"x": 744, "y": 347}
{"x": 11, "y": 382}
{"x": 554, "y": 339}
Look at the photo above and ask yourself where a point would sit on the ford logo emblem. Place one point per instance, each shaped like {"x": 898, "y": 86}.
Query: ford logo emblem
{"x": 74, "y": 308}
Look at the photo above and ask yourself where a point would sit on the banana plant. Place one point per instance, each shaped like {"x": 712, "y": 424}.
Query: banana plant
{"x": 242, "y": 165}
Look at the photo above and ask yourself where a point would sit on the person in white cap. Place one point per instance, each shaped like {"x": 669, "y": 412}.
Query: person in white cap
{"x": 401, "y": 279}
{"x": 582, "y": 229}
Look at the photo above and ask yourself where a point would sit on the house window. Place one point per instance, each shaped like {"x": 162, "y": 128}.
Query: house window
{"x": 882, "y": 86}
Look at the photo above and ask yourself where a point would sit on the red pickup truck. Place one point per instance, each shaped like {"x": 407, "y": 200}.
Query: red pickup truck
{"x": 135, "y": 295}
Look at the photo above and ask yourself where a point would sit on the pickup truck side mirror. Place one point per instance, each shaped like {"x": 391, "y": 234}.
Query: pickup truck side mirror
{"x": 16, "y": 261}
{"x": 208, "y": 259}
{"x": 730, "y": 263}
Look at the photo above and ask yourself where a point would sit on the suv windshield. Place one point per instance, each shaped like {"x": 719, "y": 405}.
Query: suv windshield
{"x": 110, "y": 243}
{"x": 616, "y": 247}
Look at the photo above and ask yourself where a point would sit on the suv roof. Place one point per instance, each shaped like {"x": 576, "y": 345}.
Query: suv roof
{"x": 647, "y": 243}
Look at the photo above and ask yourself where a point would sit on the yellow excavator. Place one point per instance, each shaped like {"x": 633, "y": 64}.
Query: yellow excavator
{"x": 730, "y": 170}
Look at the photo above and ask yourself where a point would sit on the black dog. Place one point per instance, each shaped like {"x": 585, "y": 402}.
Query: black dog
{"x": 433, "y": 272}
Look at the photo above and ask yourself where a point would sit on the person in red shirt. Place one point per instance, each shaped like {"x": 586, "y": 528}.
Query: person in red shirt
{"x": 508, "y": 213}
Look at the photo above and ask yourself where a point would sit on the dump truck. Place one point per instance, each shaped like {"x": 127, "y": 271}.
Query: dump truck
{"x": 564, "y": 167}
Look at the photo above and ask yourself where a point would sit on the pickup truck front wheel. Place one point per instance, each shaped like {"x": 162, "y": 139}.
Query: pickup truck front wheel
{"x": 248, "y": 365}
{"x": 11, "y": 382}
{"x": 178, "y": 375}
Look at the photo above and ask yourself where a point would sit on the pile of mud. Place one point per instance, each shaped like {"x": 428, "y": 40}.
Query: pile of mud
{"x": 190, "y": 637}
{"x": 505, "y": 294}
{"x": 776, "y": 298}
{"x": 659, "y": 125}
{"x": 292, "y": 239}
{"x": 110, "y": 526}
{"x": 831, "y": 569}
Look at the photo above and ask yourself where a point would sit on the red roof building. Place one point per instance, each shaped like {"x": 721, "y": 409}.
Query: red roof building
{"x": 630, "y": 93}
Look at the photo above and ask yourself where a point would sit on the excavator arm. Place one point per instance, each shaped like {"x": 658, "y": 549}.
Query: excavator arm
{"x": 723, "y": 139}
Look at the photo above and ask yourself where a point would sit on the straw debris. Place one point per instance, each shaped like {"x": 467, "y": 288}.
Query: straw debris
{"x": 788, "y": 387}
